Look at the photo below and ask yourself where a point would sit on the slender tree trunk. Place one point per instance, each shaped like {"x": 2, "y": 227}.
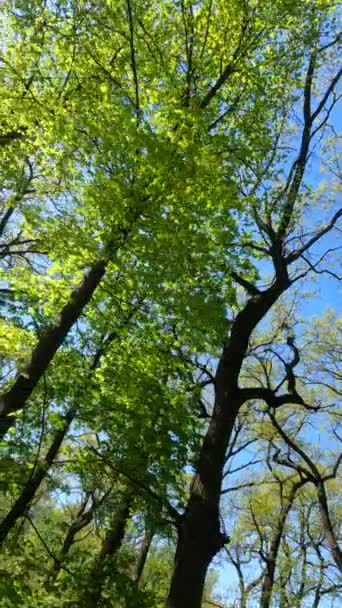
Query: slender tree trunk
{"x": 327, "y": 525}
{"x": 110, "y": 546}
{"x": 143, "y": 553}
{"x": 283, "y": 603}
{"x": 199, "y": 535}
{"x": 272, "y": 555}
{"x": 83, "y": 518}
{"x": 271, "y": 558}
{"x": 301, "y": 592}
{"x": 23, "y": 501}
{"x": 15, "y": 399}
{"x": 318, "y": 590}
{"x": 318, "y": 482}
{"x": 245, "y": 590}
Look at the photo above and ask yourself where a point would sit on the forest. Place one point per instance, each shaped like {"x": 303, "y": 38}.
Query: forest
{"x": 170, "y": 338}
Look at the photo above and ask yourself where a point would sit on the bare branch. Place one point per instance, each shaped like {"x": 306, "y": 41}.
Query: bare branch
{"x": 272, "y": 400}
{"x": 249, "y": 484}
{"x": 327, "y": 94}
{"x": 292, "y": 257}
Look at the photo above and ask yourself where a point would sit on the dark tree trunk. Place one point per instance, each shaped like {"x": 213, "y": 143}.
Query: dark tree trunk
{"x": 199, "y": 535}
{"x": 188, "y": 582}
{"x": 23, "y": 502}
{"x": 142, "y": 555}
{"x": 110, "y": 546}
{"x": 5, "y": 219}
{"x": 15, "y": 399}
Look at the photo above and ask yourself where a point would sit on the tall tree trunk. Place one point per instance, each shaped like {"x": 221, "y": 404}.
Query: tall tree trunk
{"x": 23, "y": 501}
{"x": 17, "y": 396}
{"x": 143, "y": 553}
{"x": 111, "y": 544}
{"x": 328, "y": 529}
{"x": 199, "y": 535}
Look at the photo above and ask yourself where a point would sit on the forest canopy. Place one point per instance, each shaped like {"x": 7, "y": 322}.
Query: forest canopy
{"x": 170, "y": 340}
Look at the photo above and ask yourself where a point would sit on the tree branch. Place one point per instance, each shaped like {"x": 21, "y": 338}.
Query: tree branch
{"x": 133, "y": 60}
{"x": 249, "y": 287}
{"x": 292, "y": 257}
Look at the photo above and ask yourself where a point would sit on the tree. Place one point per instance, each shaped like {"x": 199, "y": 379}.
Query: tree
{"x": 156, "y": 165}
{"x": 275, "y": 209}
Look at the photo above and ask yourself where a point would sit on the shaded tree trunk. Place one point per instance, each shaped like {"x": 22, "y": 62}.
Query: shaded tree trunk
{"x": 111, "y": 544}
{"x": 199, "y": 535}
{"x": 23, "y": 501}
{"x": 142, "y": 555}
{"x": 51, "y": 340}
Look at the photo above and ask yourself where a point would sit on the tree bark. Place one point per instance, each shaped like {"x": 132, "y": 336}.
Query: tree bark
{"x": 199, "y": 535}
{"x": 23, "y": 502}
{"x": 17, "y": 396}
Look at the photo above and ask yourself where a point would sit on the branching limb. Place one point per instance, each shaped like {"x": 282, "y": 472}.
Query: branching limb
{"x": 295, "y": 255}
{"x": 247, "y": 285}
